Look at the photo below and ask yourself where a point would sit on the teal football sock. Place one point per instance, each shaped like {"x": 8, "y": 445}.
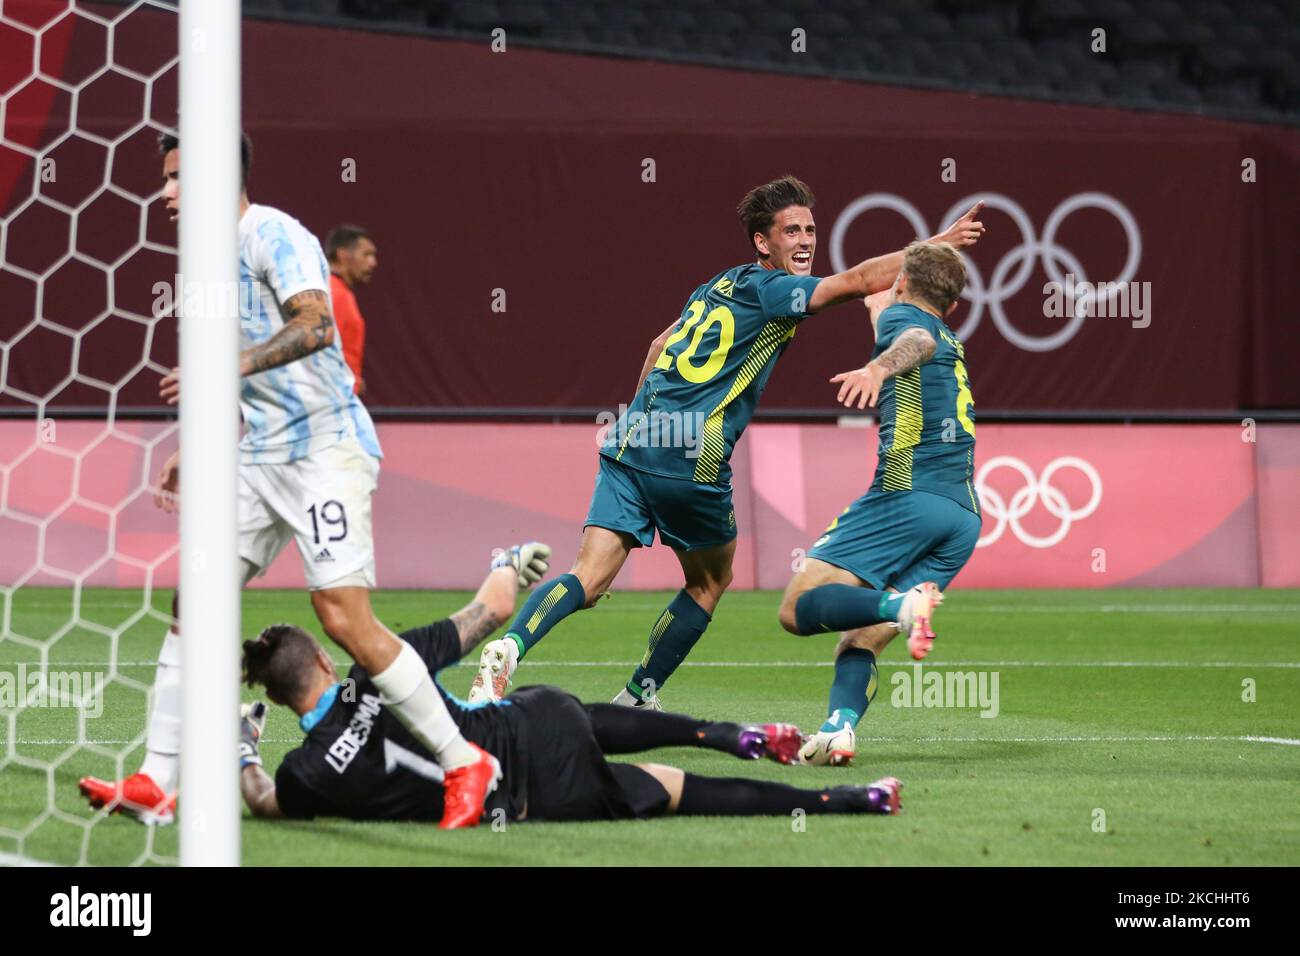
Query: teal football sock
{"x": 680, "y": 625}
{"x": 843, "y": 607}
{"x": 852, "y": 689}
{"x": 550, "y": 604}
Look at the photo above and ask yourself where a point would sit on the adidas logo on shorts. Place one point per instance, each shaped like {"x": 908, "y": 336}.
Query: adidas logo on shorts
{"x": 323, "y": 555}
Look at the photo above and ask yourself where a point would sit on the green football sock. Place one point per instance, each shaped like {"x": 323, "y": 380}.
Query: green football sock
{"x": 843, "y": 607}
{"x": 852, "y": 689}
{"x": 680, "y": 625}
{"x": 550, "y": 604}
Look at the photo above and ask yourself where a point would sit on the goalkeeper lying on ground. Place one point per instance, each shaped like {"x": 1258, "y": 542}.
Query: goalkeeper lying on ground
{"x": 358, "y": 761}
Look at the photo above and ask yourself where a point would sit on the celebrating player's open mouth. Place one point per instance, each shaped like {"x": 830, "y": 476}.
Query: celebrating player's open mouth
{"x": 709, "y": 365}
{"x": 792, "y": 241}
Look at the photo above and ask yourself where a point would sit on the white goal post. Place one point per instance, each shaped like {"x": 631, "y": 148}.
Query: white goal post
{"x": 209, "y": 806}
{"x": 86, "y": 269}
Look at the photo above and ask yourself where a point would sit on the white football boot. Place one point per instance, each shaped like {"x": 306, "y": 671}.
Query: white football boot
{"x": 916, "y": 617}
{"x": 496, "y": 665}
{"x": 625, "y": 698}
{"x": 830, "y": 748}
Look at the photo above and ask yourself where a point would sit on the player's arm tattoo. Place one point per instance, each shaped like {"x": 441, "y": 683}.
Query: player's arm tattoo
{"x": 474, "y": 622}
{"x": 309, "y": 328}
{"x": 913, "y": 347}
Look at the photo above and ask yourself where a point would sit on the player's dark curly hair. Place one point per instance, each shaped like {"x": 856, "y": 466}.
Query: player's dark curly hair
{"x": 761, "y": 204}
{"x": 169, "y": 141}
{"x": 344, "y": 237}
{"x": 280, "y": 659}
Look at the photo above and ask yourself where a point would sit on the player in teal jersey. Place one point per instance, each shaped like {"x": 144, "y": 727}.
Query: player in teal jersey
{"x": 665, "y": 464}
{"x": 882, "y": 565}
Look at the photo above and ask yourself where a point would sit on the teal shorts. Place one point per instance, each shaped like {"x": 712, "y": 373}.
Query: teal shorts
{"x": 689, "y": 515}
{"x": 900, "y": 538}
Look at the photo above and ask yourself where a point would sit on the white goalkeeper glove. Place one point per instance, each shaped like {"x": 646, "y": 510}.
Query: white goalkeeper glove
{"x": 530, "y": 562}
{"x": 252, "y": 720}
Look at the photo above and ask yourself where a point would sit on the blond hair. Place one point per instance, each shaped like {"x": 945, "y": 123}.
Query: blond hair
{"x": 935, "y": 273}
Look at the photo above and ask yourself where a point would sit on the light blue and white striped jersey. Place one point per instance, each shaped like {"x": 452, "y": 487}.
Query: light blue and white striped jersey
{"x": 304, "y": 406}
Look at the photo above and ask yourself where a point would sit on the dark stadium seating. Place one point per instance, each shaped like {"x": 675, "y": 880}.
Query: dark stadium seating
{"x": 1209, "y": 55}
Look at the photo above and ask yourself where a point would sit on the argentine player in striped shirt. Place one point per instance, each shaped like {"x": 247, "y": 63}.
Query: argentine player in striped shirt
{"x": 309, "y": 464}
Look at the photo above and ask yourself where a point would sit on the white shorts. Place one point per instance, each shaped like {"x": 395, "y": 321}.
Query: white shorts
{"x": 321, "y": 501}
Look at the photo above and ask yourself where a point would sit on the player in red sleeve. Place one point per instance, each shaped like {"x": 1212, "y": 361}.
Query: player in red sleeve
{"x": 353, "y": 258}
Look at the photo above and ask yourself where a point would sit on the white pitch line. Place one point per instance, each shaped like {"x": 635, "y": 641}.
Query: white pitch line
{"x": 1288, "y": 665}
{"x": 899, "y": 664}
{"x": 956, "y": 607}
{"x": 13, "y": 859}
{"x": 1252, "y": 739}
{"x": 1192, "y": 738}
{"x": 1132, "y": 609}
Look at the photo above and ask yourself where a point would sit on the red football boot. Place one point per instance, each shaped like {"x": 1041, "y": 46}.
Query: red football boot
{"x": 466, "y": 789}
{"x": 779, "y": 742}
{"x": 137, "y": 796}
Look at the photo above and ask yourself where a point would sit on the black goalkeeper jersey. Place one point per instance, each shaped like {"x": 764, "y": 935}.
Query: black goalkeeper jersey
{"x": 358, "y": 761}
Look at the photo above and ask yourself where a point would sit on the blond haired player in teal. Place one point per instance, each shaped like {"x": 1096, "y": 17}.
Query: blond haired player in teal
{"x": 882, "y": 565}
{"x": 665, "y": 466}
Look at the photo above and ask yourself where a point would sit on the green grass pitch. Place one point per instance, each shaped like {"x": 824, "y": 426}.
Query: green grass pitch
{"x": 1133, "y": 728}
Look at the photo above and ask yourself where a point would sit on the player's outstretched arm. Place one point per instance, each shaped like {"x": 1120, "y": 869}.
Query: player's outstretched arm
{"x": 309, "y": 328}
{"x": 656, "y": 349}
{"x": 913, "y": 347}
{"x": 492, "y": 606}
{"x": 876, "y": 303}
{"x": 259, "y": 793}
{"x": 513, "y": 570}
{"x": 255, "y": 784}
{"x": 878, "y": 274}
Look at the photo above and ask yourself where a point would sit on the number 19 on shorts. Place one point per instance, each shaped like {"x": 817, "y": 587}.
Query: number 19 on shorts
{"x": 332, "y": 515}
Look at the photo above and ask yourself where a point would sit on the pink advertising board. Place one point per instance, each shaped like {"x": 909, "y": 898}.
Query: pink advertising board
{"x": 1064, "y": 505}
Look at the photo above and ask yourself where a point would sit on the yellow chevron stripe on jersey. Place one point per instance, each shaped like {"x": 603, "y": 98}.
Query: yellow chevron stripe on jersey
{"x": 713, "y": 442}
{"x": 898, "y": 470}
{"x": 909, "y": 420}
{"x": 631, "y": 429}
{"x": 970, "y": 489}
{"x": 544, "y": 608}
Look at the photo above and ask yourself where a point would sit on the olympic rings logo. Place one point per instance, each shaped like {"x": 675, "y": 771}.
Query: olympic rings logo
{"x": 1012, "y": 272}
{"x": 1023, "y": 501}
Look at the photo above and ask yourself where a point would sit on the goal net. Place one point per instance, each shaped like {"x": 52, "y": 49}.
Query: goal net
{"x": 88, "y": 275}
